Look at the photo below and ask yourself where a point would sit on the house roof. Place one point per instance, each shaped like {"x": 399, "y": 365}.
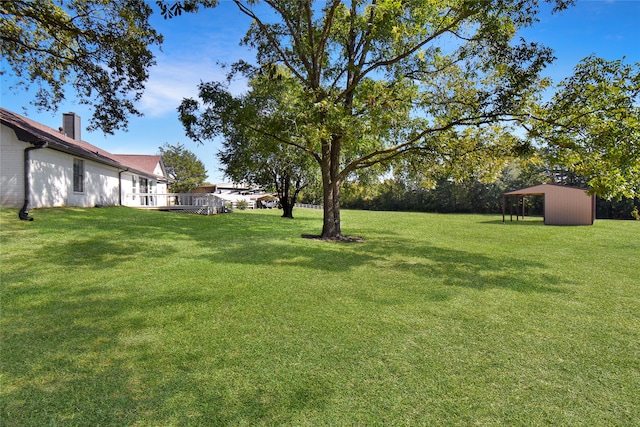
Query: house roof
{"x": 35, "y": 133}
{"x": 142, "y": 162}
{"x": 234, "y": 197}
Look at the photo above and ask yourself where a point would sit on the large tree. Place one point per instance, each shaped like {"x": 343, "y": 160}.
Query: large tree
{"x": 267, "y": 163}
{"x": 258, "y": 145}
{"x": 100, "y": 48}
{"x": 184, "y": 168}
{"x": 381, "y": 79}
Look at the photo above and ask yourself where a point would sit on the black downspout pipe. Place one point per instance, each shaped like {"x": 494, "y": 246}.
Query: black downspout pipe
{"x": 24, "y": 212}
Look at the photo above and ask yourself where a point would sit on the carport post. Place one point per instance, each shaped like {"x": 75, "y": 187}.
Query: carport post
{"x": 510, "y": 208}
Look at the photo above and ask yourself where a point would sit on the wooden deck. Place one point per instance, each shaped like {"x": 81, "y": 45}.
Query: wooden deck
{"x": 193, "y": 203}
{"x": 192, "y": 209}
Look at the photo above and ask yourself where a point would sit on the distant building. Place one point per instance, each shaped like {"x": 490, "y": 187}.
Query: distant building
{"x": 562, "y": 205}
{"x": 232, "y": 193}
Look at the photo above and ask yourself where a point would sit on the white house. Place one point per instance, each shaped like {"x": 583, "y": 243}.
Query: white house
{"x": 44, "y": 167}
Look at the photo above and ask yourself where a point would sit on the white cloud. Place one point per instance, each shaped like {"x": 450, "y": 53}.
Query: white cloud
{"x": 193, "y": 46}
{"x": 171, "y": 81}
{"x": 174, "y": 79}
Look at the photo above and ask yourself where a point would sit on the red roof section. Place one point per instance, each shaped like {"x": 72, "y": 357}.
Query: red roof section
{"x": 33, "y": 132}
{"x": 140, "y": 161}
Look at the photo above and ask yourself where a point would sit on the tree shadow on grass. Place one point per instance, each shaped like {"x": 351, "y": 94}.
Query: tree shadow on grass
{"x": 430, "y": 263}
{"x": 102, "y": 254}
{"x": 266, "y": 240}
{"x": 95, "y": 353}
{"x": 478, "y": 271}
{"x": 535, "y": 221}
{"x": 97, "y": 356}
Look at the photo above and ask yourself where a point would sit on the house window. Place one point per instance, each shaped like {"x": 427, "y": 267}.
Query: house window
{"x": 134, "y": 186}
{"x": 151, "y": 199}
{"x": 78, "y": 176}
{"x": 144, "y": 189}
{"x": 144, "y": 185}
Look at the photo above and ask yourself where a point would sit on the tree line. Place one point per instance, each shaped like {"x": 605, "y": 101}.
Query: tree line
{"x": 395, "y": 194}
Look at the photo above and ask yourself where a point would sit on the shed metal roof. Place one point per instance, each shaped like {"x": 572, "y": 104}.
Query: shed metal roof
{"x": 542, "y": 189}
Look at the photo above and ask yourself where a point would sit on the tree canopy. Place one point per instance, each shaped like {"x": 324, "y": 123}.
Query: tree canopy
{"x": 592, "y": 126}
{"x": 183, "y": 167}
{"x": 99, "y": 48}
{"x": 258, "y": 145}
{"x": 269, "y": 164}
{"x": 383, "y": 79}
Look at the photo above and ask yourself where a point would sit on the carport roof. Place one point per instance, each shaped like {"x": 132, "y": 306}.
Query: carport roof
{"x": 540, "y": 190}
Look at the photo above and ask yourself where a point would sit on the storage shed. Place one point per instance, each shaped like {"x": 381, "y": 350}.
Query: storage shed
{"x": 563, "y": 205}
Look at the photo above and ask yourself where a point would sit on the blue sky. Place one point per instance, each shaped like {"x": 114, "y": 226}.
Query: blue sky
{"x": 196, "y": 44}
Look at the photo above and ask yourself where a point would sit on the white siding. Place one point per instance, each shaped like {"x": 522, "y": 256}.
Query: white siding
{"x": 161, "y": 187}
{"x": 51, "y": 178}
{"x": 12, "y": 167}
{"x": 102, "y": 182}
{"x": 158, "y": 170}
{"x": 52, "y": 181}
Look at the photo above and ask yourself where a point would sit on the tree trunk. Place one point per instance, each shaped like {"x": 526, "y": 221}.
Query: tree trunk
{"x": 286, "y": 201}
{"x": 291, "y": 200}
{"x": 331, "y": 189}
{"x": 331, "y": 223}
{"x": 287, "y": 208}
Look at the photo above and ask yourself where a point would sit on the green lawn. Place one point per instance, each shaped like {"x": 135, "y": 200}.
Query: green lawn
{"x": 115, "y": 317}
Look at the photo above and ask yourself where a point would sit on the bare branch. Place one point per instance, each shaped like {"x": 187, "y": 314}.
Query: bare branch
{"x": 273, "y": 41}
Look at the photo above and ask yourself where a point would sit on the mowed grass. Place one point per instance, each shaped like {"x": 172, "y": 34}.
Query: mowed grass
{"x": 116, "y": 317}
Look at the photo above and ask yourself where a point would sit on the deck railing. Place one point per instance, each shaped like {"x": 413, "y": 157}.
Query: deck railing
{"x": 206, "y": 203}
{"x": 202, "y": 203}
{"x": 308, "y": 206}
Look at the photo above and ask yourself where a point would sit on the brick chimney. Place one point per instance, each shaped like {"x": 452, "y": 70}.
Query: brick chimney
{"x": 71, "y": 126}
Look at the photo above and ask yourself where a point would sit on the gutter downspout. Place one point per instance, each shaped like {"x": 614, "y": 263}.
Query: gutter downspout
{"x": 24, "y": 212}
{"x": 120, "y": 185}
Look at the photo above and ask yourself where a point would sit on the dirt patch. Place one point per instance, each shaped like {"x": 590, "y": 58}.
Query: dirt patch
{"x": 339, "y": 239}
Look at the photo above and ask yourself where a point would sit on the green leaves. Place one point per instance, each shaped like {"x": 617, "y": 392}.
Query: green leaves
{"x": 592, "y": 126}
{"x": 99, "y": 48}
{"x": 183, "y": 167}
{"x": 266, "y": 136}
{"x": 171, "y": 9}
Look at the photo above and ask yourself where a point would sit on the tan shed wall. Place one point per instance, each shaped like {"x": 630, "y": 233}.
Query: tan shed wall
{"x": 567, "y": 207}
